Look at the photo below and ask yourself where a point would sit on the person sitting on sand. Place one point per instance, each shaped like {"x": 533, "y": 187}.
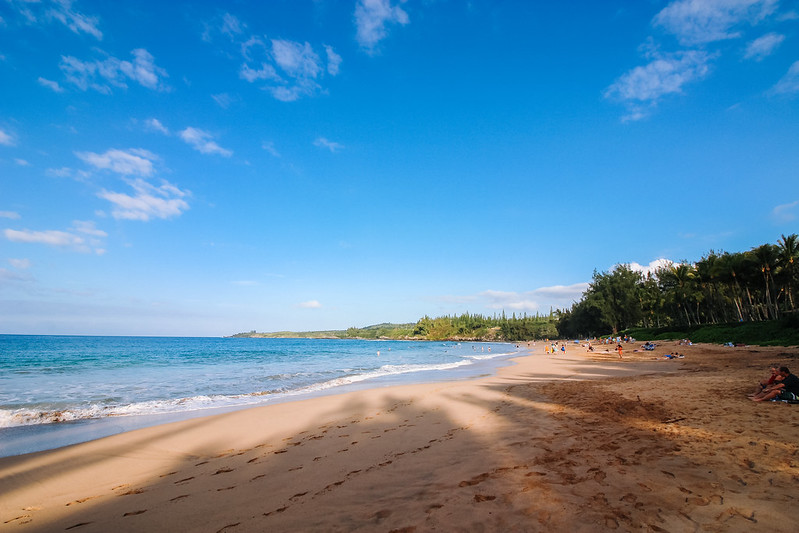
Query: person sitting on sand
{"x": 769, "y": 381}
{"x": 787, "y": 389}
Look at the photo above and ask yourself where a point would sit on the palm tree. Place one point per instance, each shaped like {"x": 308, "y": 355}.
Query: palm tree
{"x": 788, "y": 261}
{"x": 679, "y": 279}
{"x": 766, "y": 257}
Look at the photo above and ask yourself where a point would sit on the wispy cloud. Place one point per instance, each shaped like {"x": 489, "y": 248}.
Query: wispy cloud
{"x": 643, "y": 87}
{"x": 50, "y": 237}
{"x": 134, "y": 161}
{"x": 333, "y": 60}
{"x": 231, "y": 25}
{"x": 6, "y": 139}
{"x": 788, "y": 84}
{"x": 77, "y": 22}
{"x": 147, "y": 201}
{"x": 312, "y": 304}
{"x": 21, "y": 264}
{"x": 50, "y": 84}
{"x": 9, "y": 276}
{"x": 223, "y": 100}
{"x": 537, "y": 300}
{"x": 293, "y": 69}
{"x": 82, "y": 237}
{"x": 696, "y": 22}
{"x": 66, "y": 172}
{"x": 289, "y": 70}
{"x": 13, "y": 215}
{"x": 372, "y": 18}
{"x": 334, "y": 147}
{"x": 155, "y": 125}
{"x": 764, "y": 46}
{"x": 100, "y": 75}
{"x": 36, "y": 12}
{"x": 269, "y": 146}
{"x": 203, "y": 142}
{"x": 785, "y": 212}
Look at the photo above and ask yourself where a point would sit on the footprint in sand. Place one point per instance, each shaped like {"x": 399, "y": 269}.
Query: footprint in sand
{"x": 382, "y": 515}
{"x": 474, "y": 481}
{"x": 134, "y": 513}
{"x": 24, "y": 519}
{"x": 133, "y": 491}
{"x": 78, "y": 525}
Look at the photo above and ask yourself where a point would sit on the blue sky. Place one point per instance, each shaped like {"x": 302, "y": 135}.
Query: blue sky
{"x": 204, "y": 168}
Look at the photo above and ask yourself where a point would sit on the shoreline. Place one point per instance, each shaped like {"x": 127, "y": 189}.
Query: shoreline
{"x": 520, "y": 450}
{"x": 30, "y": 438}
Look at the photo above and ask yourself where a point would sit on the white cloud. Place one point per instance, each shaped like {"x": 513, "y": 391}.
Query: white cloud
{"x": 789, "y": 84}
{"x": 652, "y": 267}
{"x": 264, "y": 72}
{"x": 97, "y": 74}
{"x": 21, "y": 264}
{"x": 785, "y": 212}
{"x": 333, "y": 61}
{"x": 134, "y": 161}
{"x": 764, "y": 46}
{"x": 703, "y": 21}
{"x": 156, "y": 125}
{"x": 52, "y": 85}
{"x": 537, "y": 300}
{"x": 21, "y": 162}
{"x": 50, "y": 237}
{"x": 291, "y": 69}
{"x": 7, "y": 276}
{"x": 88, "y": 227}
{"x": 223, "y": 100}
{"x": 6, "y": 139}
{"x": 334, "y": 147}
{"x": 642, "y": 87}
{"x": 371, "y": 19}
{"x": 9, "y": 214}
{"x": 297, "y": 60}
{"x": 203, "y": 142}
{"x": 77, "y": 22}
{"x": 312, "y": 304}
{"x": 269, "y": 146}
{"x": 62, "y": 239}
{"x": 34, "y": 11}
{"x": 231, "y": 25}
{"x": 147, "y": 202}
{"x": 66, "y": 172}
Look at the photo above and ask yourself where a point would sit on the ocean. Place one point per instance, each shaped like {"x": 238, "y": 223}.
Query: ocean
{"x": 59, "y": 390}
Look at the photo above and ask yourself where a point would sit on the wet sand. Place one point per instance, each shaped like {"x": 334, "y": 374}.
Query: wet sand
{"x": 581, "y": 442}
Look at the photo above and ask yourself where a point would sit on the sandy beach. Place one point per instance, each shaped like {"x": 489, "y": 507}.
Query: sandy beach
{"x": 574, "y": 442}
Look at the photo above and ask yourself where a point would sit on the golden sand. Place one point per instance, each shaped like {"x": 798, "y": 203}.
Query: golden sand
{"x": 581, "y": 442}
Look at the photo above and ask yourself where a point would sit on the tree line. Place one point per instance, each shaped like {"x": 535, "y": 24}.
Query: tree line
{"x": 752, "y": 286}
{"x": 468, "y": 326}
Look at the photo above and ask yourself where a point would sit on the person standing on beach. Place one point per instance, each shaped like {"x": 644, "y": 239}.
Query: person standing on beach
{"x": 618, "y": 347}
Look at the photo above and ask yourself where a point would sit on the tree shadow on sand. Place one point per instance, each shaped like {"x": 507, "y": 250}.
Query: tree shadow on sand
{"x": 521, "y": 454}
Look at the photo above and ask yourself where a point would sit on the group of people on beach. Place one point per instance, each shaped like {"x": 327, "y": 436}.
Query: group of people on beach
{"x": 780, "y": 385}
{"x": 553, "y": 348}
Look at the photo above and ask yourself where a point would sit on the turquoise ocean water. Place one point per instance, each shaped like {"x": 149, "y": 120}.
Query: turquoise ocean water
{"x": 58, "y": 390}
